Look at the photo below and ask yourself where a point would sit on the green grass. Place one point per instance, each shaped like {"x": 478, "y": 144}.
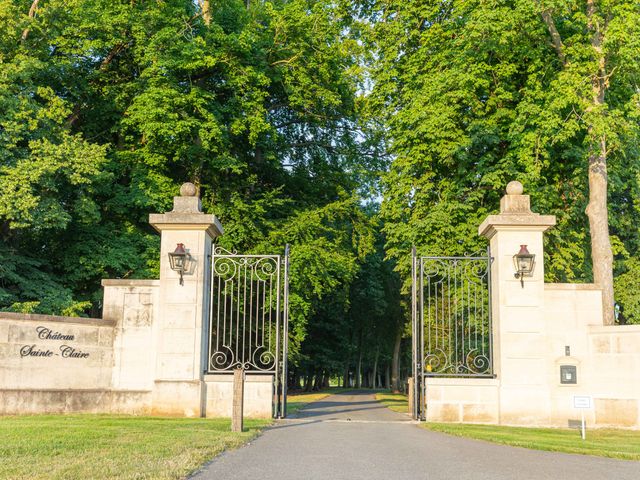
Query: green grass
{"x": 398, "y": 402}
{"x": 298, "y": 400}
{"x": 624, "y": 444}
{"x": 114, "y": 447}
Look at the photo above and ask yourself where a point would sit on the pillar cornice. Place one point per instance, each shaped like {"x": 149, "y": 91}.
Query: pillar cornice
{"x": 521, "y": 222}
{"x": 187, "y": 215}
{"x": 192, "y": 221}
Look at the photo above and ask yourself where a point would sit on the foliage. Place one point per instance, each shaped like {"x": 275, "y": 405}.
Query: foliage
{"x": 107, "y": 107}
{"x": 474, "y": 95}
{"x": 627, "y": 292}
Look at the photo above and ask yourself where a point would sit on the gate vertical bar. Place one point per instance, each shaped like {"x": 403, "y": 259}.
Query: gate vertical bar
{"x": 276, "y": 372}
{"x": 421, "y": 366}
{"x": 490, "y": 309}
{"x": 414, "y": 333}
{"x": 285, "y": 334}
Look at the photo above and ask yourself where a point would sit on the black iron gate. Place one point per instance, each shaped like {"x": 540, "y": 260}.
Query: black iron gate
{"x": 248, "y": 318}
{"x": 451, "y": 320}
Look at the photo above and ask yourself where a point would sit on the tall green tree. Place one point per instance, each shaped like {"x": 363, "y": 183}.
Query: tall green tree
{"x": 106, "y": 107}
{"x": 476, "y": 93}
{"x": 597, "y": 43}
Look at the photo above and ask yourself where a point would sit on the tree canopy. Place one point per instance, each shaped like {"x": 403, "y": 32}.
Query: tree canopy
{"x": 476, "y": 93}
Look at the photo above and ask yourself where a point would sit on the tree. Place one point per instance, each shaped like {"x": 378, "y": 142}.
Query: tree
{"x": 602, "y": 47}
{"x": 108, "y": 107}
{"x": 475, "y": 94}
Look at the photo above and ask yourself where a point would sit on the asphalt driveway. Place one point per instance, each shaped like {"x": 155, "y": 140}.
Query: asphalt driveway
{"x": 351, "y": 436}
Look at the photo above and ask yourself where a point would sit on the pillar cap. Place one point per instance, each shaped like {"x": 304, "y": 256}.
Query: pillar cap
{"x": 515, "y": 214}
{"x": 187, "y": 214}
{"x": 188, "y": 189}
{"x": 515, "y": 188}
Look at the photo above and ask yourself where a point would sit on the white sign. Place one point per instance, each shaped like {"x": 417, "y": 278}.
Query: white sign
{"x": 581, "y": 402}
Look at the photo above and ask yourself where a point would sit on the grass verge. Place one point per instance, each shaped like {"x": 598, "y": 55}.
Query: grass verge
{"x": 623, "y": 444}
{"x": 398, "y": 402}
{"x": 298, "y": 400}
{"x": 114, "y": 447}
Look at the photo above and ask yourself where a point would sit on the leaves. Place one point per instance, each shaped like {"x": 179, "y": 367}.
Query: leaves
{"x": 474, "y": 95}
{"x": 108, "y": 107}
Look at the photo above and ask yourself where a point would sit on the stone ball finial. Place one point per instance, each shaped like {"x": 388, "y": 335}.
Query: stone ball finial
{"x": 188, "y": 190}
{"x": 514, "y": 188}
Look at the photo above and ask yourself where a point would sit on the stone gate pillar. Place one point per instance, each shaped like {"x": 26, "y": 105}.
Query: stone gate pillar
{"x": 180, "y": 336}
{"x": 519, "y": 331}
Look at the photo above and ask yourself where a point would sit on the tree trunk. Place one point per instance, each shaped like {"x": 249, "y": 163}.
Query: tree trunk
{"x": 395, "y": 362}
{"x": 206, "y": 12}
{"x": 359, "y": 370}
{"x": 375, "y": 370}
{"x": 387, "y": 377}
{"x": 32, "y": 13}
{"x": 556, "y": 40}
{"x": 317, "y": 382}
{"x": 597, "y": 212}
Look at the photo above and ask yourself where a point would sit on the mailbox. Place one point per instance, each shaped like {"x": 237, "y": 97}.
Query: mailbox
{"x": 568, "y": 374}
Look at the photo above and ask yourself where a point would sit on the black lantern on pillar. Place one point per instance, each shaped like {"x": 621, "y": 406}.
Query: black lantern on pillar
{"x": 179, "y": 260}
{"x": 524, "y": 263}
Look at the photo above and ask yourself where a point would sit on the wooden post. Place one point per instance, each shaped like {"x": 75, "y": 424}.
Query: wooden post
{"x": 237, "y": 413}
{"x": 411, "y": 396}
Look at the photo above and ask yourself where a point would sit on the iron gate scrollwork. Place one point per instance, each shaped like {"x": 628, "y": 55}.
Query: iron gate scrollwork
{"x": 451, "y": 319}
{"x": 248, "y": 318}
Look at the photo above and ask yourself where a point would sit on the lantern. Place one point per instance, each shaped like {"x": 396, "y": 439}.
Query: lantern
{"x": 524, "y": 263}
{"x": 179, "y": 260}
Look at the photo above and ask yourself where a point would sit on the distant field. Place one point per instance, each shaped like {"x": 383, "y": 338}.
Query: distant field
{"x": 398, "y": 402}
{"x": 298, "y": 400}
{"x": 115, "y": 447}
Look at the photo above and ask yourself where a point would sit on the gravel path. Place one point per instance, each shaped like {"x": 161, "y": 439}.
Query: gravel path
{"x": 351, "y": 436}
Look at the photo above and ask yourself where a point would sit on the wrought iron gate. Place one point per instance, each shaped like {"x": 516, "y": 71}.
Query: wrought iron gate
{"x": 248, "y": 318}
{"x": 451, "y": 320}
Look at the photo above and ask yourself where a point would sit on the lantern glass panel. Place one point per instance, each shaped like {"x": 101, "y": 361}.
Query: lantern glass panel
{"x": 178, "y": 261}
{"x": 525, "y": 264}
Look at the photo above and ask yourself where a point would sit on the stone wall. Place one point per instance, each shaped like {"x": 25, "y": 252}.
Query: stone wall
{"x": 147, "y": 355}
{"x": 132, "y": 307}
{"x": 607, "y": 361}
{"x": 54, "y": 364}
{"x": 538, "y": 328}
{"x": 49, "y": 352}
{"x": 258, "y": 394}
